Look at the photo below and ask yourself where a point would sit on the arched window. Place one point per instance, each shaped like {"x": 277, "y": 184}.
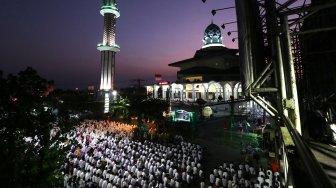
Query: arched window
{"x": 215, "y": 90}
{"x": 177, "y": 90}
{"x": 189, "y": 91}
{"x": 237, "y": 90}
{"x": 227, "y": 91}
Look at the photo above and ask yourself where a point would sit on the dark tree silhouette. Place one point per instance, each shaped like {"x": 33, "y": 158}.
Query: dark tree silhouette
{"x": 29, "y": 156}
{"x": 143, "y": 107}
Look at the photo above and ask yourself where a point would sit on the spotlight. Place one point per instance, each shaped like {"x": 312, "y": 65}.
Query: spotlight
{"x": 203, "y": 1}
{"x": 223, "y": 26}
{"x": 213, "y": 12}
{"x": 228, "y": 23}
{"x": 229, "y": 33}
{"x": 233, "y": 40}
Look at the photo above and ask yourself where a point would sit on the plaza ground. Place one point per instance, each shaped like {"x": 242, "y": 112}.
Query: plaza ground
{"x": 221, "y": 144}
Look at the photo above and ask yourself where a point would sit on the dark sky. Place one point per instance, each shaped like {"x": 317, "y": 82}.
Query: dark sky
{"x": 59, "y": 38}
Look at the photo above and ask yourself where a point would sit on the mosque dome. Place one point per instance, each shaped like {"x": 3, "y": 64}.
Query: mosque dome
{"x": 212, "y": 36}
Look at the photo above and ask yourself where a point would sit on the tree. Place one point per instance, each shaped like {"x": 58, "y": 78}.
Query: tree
{"x": 30, "y": 156}
{"x": 143, "y": 107}
{"x": 79, "y": 102}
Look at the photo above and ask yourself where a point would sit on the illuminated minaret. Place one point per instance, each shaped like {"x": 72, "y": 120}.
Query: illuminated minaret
{"x": 108, "y": 49}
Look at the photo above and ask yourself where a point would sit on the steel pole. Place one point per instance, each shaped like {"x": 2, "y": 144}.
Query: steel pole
{"x": 274, "y": 42}
{"x": 292, "y": 89}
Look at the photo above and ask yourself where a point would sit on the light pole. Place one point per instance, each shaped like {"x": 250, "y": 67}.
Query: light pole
{"x": 228, "y": 23}
{"x": 230, "y": 32}
{"x": 234, "y": 39}
{"x": 214, "y": 11}
{"x": 114, "y": 94}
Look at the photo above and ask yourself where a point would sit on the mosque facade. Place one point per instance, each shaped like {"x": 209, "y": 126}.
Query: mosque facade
{"x": 212, "y": 74}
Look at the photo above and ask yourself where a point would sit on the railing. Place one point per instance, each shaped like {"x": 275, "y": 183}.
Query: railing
{"x": 311, "y": 166}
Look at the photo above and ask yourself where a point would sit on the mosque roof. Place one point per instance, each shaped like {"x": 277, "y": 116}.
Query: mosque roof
{"x": 206, "y": 54}
{"x": 209, "y": 70}
{"x": 213, "y": 48}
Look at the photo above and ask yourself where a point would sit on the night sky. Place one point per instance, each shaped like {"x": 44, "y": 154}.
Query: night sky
{"x": 58, "y": 38}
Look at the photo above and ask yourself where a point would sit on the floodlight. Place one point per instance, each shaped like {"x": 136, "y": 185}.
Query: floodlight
{"x": 223, "y": 26}
{"x": 213, "y": 12}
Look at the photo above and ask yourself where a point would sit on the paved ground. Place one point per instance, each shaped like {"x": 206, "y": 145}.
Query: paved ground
{"x": 220, "y": 144}
{"x": 216, "y": 148}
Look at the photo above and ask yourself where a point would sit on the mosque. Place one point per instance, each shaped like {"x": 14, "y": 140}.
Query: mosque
{"x": 212, "y": 74}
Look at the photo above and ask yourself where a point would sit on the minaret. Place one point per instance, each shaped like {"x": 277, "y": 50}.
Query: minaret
{"x": 108, "y": 49}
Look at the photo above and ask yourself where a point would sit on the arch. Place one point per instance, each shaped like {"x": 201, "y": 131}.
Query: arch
{"x": 199, "y": 91}
{"x": 189, "y": 87}
{"x": 189, "y": 91}
{"x": 150, "y": 91}
{"x": 176, "y": 91}
{"x": 227, "y": 91}
{"x": 177, "y": 86}
{"x": 214, "y": 90}
{"x": 237, "y": 90}
{"x": 165, "y": 91}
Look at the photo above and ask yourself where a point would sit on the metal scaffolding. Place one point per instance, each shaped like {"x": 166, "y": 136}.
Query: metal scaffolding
{"x": 271, "y": 63}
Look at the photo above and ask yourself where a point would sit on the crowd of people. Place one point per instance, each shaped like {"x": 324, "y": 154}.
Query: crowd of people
{"x": 103, "y": 154}
{"x": 243, "y": 175}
